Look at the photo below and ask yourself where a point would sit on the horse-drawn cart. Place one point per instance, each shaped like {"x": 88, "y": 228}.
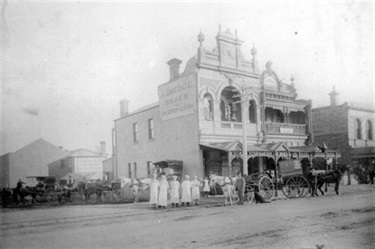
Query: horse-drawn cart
{"x": 291, "y": 178}
{"x": 43, "y": 187}
{"x": 261, "y": 184}
{"x": 295, "y": 185}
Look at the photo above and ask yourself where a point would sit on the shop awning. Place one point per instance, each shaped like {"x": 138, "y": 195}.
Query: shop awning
{"x": 233, "y": 146}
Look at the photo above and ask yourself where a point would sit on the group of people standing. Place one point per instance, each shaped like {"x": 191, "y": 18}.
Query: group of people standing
{"x": 184, "y": 193}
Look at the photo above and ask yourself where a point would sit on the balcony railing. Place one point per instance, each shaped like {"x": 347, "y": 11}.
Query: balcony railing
{"x": 283, "y": 128}
{"x": 231, "y": 125}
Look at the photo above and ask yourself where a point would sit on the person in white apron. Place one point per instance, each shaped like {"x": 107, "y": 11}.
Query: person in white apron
{"x": 163, "y": 192}
{"x": 154, "y": 191}
{"x": 186, "y": 191}
{"x": 195, "y": 190}
{"x": 175, "y": 192}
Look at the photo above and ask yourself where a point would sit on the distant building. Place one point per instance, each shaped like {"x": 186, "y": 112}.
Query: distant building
{"x": 348, "y": 128}
{"x": 108, "y": 169}
{"x": 31, "y": 160}
{"x": 82, "y": 162}
{"x": 200, "y": 117}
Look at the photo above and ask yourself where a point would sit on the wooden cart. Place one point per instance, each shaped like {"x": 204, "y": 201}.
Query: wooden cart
{"x": 295, "y": 184}
{"x": 260, "y": 183}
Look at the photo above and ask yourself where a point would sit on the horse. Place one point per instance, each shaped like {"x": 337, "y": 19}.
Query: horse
{"x": 227, "y": 185}
{"x": 317, "y": 180}
{"x": 22, "y": 193}
{"x": 6, "y": 195}
{"x": 136, "y": 185}
{"x": 93, "y": 188}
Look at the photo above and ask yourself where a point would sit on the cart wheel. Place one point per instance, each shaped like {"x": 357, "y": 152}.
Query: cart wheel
{"x": 295, "y": 187}
{"x": 116, "y": 195}
{"x": 50, "y": 195}
{"x": 266, "y": 188}
{"x": 106, "y": 196}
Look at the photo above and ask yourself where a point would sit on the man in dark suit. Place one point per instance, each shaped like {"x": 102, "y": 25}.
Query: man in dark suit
{"x": 240, "y": 186}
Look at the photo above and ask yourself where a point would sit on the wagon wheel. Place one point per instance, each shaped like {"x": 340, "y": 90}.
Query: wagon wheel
{"x": 116, "y": 193}
{"x": 106, "y": 196}
{"x": 50, "y": 195}
{"x": 295, "y": 187}
{"x": 266, "y": 188}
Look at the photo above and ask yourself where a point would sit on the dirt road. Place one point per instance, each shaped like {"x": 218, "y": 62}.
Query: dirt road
{"x": 345, "y": 221}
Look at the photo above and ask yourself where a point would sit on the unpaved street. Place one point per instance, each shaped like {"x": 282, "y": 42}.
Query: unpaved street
{"x": 345, "y": 221}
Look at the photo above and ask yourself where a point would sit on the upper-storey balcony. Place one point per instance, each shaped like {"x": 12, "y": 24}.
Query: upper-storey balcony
{"x": 285, "y": 128}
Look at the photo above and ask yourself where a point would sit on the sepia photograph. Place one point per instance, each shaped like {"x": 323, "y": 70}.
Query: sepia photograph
{"x": 166, "y": 124}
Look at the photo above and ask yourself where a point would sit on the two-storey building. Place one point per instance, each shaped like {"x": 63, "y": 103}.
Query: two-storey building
{"x": 348, "y": 128}
{"x": 205, "y": 114}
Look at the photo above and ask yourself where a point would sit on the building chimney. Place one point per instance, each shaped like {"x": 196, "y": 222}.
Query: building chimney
{"x": 124, "y": 108}
{"x": 334, "y": 97}
{"x": 102, "y": 148}
{"x": 174, "y": 68}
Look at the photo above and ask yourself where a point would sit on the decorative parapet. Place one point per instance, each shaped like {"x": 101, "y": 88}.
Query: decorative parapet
{"x": 227, "y": 55}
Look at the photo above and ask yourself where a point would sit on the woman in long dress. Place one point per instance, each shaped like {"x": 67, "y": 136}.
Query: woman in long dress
{"x": 163, "y": 192}
{"x": 154, "y": 192}
{"x": 175, "y": 192}
{"x": 206, "y": 187}
{"x": 186, "y": 191}
{"x": 195, "y": 190}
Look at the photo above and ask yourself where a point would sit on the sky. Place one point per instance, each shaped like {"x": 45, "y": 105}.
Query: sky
{"x": 67, "y": 64}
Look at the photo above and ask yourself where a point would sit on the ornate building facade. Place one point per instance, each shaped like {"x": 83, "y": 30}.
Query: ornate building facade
{"x": 205, "y": 114}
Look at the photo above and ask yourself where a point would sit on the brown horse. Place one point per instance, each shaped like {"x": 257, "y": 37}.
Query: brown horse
{"x": 95, "y": 188}
{"x": 318, "y": 180}
{"x": 22, "y": 193}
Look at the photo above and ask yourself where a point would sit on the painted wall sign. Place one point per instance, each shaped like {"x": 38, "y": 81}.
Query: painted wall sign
{"x": 177, "y": 98}
{"x": 285, "y": 130}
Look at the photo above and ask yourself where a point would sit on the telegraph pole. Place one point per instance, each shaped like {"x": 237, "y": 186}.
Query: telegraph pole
{"x": 245, "y": 97}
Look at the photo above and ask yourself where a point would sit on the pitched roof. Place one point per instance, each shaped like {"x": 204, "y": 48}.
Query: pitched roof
{"x": 41, "y": 151}
{"x": 83, "y": 153}
{"x": 274, "y": 146}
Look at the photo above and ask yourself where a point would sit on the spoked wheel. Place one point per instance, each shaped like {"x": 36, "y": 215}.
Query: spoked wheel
{"x": 266, "y": 188}
{"x": 106, "y": 196}
{"x": 50, "y": 195}
{"x": 116, "y": 194}
{"x": 296, "y": 187}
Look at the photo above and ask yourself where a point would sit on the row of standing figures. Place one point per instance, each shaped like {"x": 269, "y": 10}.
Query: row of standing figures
{"x": 184, "y": 193}
{"x": 188, "y": 192}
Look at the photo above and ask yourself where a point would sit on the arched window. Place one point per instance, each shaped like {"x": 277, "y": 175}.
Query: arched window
{"x": 274, "y": 115}
{"x": 253, "y": 112}
{"x": 230, "y": 107}
{"x": 208, "y": 107}
{"x": 369, "y": 130}
{"x": 358, "y": 129}
{"x": 222, "y": 110}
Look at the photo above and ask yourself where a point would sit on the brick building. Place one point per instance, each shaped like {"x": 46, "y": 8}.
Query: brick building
{"x": 205, "y": 112}
{"x": 347, "y": 128}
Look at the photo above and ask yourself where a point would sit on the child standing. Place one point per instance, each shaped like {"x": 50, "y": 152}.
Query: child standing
{"x": 206, "y": 186}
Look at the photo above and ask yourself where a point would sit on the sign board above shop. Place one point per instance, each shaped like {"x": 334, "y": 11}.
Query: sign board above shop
{"x": 286, "y": 130}
{"x": 177, "y": 98}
